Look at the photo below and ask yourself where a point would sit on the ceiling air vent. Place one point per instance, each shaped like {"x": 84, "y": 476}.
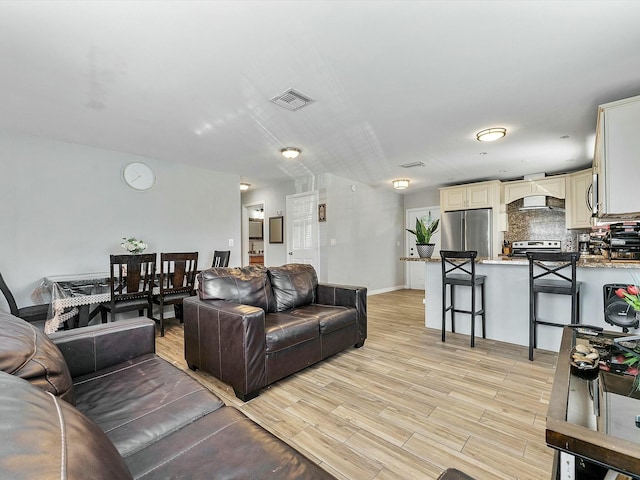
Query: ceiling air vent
{"x": 411, "y": 165}
{"x": 292, "y": 100}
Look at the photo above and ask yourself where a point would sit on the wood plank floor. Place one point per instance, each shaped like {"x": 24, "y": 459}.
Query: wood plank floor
{"x": 406, "y": 405}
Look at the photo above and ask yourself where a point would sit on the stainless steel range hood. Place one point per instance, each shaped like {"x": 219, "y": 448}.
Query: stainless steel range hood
{"x": 537, "y": 202}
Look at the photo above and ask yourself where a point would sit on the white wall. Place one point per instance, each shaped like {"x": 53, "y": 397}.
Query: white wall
{"x": 64, "y": 208}
{"x": 422, "y": 198}
{"x": 274, "y": 198}
{"x": 368, "y": 228}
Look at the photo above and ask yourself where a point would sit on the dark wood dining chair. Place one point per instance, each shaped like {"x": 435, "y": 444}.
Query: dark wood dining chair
{"x": 221, "y": 258}
{"x": 36, "y": 314}
{"x": 131, "y": 283}
{"x": 177, "y": 281}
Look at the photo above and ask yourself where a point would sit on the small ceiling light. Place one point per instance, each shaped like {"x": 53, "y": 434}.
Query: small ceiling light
{"x": 290, "y": 152}
{"x": 400, "y": 184}
{"x": 491, "y": 134}
{"x": 244, "y": 186}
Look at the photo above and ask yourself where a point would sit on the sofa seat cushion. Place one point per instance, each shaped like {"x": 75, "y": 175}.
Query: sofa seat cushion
{"x": 244, "y": 285}
{"x": 28, "y": 353}
{"x": 139, "y": 401}
{"x": 287, "y": 329}
{"x": 330, "y": 318}
{"x": 225, "y": 445}
{"x": 293, "y": 285}
{"x": 44, "y": 437}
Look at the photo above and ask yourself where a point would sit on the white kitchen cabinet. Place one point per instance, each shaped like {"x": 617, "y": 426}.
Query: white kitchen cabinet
{"x": 453, "y": 198}
{"x": 554, "y": 186}
{"x": 616, "y": 160}
{"x": 578, "y": 202}
{"x": 472, "y": 195}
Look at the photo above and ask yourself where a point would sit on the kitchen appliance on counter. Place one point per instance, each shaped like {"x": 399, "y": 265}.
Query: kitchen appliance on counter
{"x": 584, "y": 240}
{"x": 467, "y": 230}
{"x": 522, "y": 247}
{"x": 623, "y": 241}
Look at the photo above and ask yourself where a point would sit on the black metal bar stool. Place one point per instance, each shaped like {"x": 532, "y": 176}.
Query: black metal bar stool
{"x": 545, "y": 277}
{"x": 463, "y": 263}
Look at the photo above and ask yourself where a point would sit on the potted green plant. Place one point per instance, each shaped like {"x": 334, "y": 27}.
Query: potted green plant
{"x": 425, "y": 228}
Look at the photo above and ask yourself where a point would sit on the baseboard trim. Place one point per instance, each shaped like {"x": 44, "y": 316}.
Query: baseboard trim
{"x": 385, "y": 290}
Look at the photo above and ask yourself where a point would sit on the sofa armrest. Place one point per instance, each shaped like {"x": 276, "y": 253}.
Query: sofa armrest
{"x": 346, "y": 296}
{"x": 93, "y": 348}
{"x": 227, "y": 340}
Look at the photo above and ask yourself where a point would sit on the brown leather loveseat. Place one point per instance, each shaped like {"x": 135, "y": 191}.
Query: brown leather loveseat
{"x": 253, "y": 326}
{"x": 97, "y": 403}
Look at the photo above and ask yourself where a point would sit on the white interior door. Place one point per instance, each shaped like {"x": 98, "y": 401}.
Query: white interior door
{"x": 415, "y": 271}
{"x": 302, "y": 229}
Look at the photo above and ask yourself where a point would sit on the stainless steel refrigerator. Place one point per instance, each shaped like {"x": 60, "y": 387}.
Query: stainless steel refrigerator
{"x": 467, "y": 230}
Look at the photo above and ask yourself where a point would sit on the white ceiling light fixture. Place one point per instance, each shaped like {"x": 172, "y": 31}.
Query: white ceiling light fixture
{"x": 290, "y": 152}
{"x": 491, "y": 134}
{"x": 244, "y": 187}
{"x": 400, "y": 184}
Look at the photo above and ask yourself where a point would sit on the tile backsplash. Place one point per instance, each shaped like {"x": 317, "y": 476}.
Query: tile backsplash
{"x": 540, "y": 224}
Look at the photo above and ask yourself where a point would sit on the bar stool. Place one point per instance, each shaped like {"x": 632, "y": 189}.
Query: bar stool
{"x": 545, "y": 277}
{"x": 464, "y": 264}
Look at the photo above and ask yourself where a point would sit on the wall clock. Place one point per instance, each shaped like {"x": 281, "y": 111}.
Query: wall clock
{"x": 138, "y": 176}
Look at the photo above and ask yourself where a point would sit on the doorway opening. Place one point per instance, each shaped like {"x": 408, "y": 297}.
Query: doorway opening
{"x": 253, "y": 234}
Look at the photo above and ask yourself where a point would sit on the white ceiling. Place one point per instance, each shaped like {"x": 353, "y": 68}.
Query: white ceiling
{"x": 395, "y": 82}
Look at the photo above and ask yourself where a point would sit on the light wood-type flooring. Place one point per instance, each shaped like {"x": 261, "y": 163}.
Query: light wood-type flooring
{"x": 406, "y": 405}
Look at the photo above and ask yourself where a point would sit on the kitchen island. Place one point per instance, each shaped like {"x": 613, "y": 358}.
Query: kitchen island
{"x": 507, "y": 297}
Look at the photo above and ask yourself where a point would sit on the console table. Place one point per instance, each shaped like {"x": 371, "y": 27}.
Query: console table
{"x": 593, "y": 420}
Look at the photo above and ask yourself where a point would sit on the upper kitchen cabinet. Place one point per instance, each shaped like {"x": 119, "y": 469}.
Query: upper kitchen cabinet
{"x": 578, "y": 203}
{"x": 472, "y": 195}
{"x": 616, "y": 160}
{"x": 548, "y": 186}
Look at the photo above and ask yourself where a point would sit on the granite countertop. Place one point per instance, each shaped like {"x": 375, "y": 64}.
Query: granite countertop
{"x": 588, "y": 261}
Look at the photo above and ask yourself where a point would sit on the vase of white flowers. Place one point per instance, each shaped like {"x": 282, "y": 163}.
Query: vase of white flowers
{"x": 133, "y": 245}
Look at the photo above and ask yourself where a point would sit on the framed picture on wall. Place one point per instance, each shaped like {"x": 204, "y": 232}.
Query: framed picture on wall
{"x": 276, "y": 229}
{"x": 322, "y": 212}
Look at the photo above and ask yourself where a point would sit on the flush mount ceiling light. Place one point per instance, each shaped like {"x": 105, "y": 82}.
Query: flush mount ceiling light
{"x": 290, "y": 152}
{"x": 244, "y": 186}
{"x": 400, "y": 184}
{"x": 491, "y": 134}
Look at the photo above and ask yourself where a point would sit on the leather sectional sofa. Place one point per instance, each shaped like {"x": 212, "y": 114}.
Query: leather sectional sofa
{"x": 97, "y": 403}
{"x": 253, "y": 326}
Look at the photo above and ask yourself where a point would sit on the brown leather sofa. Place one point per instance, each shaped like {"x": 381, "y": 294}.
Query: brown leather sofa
{"x": 253, "y": 326}
{"x": 97, "y": 403}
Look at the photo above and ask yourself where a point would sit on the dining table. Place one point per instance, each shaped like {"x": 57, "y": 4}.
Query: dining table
{"x": 71, "y": 297}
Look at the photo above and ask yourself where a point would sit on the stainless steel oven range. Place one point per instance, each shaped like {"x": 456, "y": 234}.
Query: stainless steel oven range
{"x": 522, "y": 247}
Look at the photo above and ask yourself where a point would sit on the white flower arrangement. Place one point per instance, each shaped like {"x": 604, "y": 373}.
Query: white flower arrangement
{"x": 133, "y": 245}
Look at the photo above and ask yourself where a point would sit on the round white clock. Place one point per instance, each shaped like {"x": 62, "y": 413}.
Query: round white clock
{"x": 138, "y": 176}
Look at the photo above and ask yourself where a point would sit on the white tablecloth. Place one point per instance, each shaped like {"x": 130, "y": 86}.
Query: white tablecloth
{"x": 70, "y": 291}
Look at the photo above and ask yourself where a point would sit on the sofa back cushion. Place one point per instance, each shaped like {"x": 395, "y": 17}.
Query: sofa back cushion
{"x": 28, "y": 353}
{"x": 246, "y": 285}
{"x": 294, "y": 285}
{"x": 44, "y": 437}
